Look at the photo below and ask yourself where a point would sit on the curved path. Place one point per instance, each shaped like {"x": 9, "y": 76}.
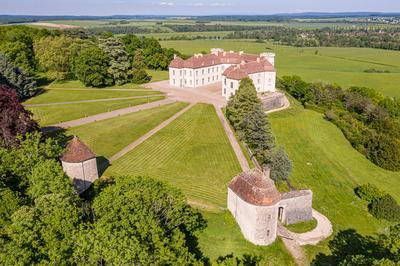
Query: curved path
{"x": 94, "y": 101}
{"x": 319, "y": 233}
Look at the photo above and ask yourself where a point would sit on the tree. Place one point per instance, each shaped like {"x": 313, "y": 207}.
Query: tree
{"x": 48, "y": 177}
{"x": 14, "y": 119}
{"x": 91, "y": 67}
{"x": 296, "y": 87}
{"x": 139, "y": 221}
{"x": 42, "y": 234}
{"x": 385, "y": 207}
{"x": 16, "y": 78}
{"x": 10, "y": 202}
{"x": 131, "y": 44}
{"x": 119, "y": 66}
{"x": 53, "y": 55}
{"x": 256, "y": 131}
{"x": 280, "y": 166}
{"x": 242, "y": 102}
{"x": 139, "y": 74}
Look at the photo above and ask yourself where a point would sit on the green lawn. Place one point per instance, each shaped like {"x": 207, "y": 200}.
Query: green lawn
{"x": 108, "y": 137}
{"x": 193, "y": 153}
{"x": 48, "y": 115}
{"x": 222, "y": 237}
{"x": 158, "y": 75}
{"x": 324, "y": 161}
{"x": 344, "y": 66}
{"x": 302, "y": 227}
{"x": 60, "y": 95}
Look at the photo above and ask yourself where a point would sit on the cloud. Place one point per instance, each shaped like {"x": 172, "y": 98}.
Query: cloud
{"x": 167, "y": 4}
{"x": 198, "y": 4}
{"x": 218, "y": 4}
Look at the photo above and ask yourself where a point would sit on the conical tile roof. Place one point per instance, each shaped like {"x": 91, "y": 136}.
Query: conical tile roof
{"x": 77, "y": 152}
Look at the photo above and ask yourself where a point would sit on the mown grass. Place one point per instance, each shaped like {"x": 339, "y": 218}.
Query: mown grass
{"x": 109, "y": 136}
{"x": 324, "y": 161}
{"x": 343, "y": 66}
{"x": 53, "y": 114}
{"x": 302, "y": 227}
{"x": 59, "y": 95}
{"x": 222, "y": 237}
{"x": 193, "y": 153}
{"x": 158, "y": 75}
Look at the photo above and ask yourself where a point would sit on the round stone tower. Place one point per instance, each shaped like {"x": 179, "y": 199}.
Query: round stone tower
{"x": 80, "y": 164}
{"x": 253, "y": 200}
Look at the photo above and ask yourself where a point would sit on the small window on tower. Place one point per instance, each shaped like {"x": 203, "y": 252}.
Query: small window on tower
{"x": 267, "y": 232}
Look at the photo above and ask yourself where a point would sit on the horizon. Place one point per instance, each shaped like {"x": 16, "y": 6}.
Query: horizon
{"x": 186, "y": 7}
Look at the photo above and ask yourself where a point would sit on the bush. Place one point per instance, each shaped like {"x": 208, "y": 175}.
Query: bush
{"x": 385, "y": 207}
{"x": 368, "y": 192}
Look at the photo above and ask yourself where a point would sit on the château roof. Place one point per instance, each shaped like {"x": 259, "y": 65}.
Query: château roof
{"x": 243, "y": 70}
{"x": 77, "y": 152}
{"x": 255, "y": 187}
{"x": 213, "y": 59}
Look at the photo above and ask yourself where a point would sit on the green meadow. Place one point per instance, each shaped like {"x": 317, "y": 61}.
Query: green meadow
{"x": 343, "y": 66}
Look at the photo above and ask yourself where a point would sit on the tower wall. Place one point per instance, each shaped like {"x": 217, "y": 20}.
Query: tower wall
{"x": 257, "y": 223}
{"x": 82, "y": 174}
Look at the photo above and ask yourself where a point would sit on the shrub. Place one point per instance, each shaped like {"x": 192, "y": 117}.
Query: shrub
{"x": 385, "y": 207}
{"x": 368, "y": 192}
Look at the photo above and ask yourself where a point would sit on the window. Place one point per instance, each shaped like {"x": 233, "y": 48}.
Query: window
{"x": 202, "y": 71}
{"x": 208, "y": 79}
{"x": 258, "y": 81}
{"x": 213, "y": 78}
{"x": 231, "y": 85}
{"x": 202, "y": 81}
{"x": 180, "y": 72}
{"x": 225, "y": 81}
{"x": 173, "y": 73}
{"x": 197, "y": 82}
{"x": 208, "y": 71}
{"x": 190, "y": 82}
{"x": 269, "y": 216}
{"x": 267, "y": 232}
{"x": 224, "y": 91}
{"x": 174, "y": 81}
{"x": 184, "y": 72}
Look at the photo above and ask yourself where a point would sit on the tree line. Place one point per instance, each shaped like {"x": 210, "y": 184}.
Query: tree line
{"x": 96, "y": 60}
{"x": 382, "y": 38}
{"x": 247, "y": 116}
{"x": 369, "y": 121}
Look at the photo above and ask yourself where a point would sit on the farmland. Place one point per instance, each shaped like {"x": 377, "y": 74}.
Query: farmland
{"x": 343, "y": 66}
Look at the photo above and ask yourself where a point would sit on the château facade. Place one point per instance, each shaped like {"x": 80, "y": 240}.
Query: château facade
{"x": 228, "y": 68}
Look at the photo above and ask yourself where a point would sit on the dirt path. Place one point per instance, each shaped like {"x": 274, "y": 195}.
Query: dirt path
{"x": 149, "y": 134}
{"x": 93, "y": 101}
{"x": 103, "y": 116}
{"x": 232, "y": 139}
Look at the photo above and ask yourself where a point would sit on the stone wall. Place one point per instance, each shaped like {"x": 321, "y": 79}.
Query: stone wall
{"x": 273, "y": 101}
{"x": 296, "y": 206}
{"x": 82, "y": 174}
{"x": 257, "y": 223}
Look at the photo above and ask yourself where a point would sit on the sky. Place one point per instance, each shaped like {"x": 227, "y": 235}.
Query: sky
{"x": 190, "y": 7}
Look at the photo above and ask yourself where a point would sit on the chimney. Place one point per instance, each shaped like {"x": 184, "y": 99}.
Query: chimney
{"x": 240, "y": 52}
{"x": 242, "y": 62}
{"x": 175, "y": 56}
{"x": 224, "y": 53}
{"x": 258, "y": 60}
{"x": 231, "y": 51}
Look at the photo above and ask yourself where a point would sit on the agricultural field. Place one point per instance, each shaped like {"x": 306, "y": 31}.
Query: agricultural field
{"x": 343, "y": 66}
{"x": 52, "y": 114}
{"x": 109, "y": 136}
{"x": 325, "y": 162}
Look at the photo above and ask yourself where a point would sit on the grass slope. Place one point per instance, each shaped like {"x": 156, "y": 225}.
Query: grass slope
{"x": 48, "y": 115}
{"x": 59, "y": 95}
{"x": 193, "y": 153}
{"x": 344, "y": 66}
{"x": 222, "y": 237}
{"x": 109, "y": 136}
{"x": 325, "y": 162}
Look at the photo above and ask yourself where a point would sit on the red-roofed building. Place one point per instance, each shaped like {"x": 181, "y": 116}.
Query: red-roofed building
{"x": 225, "y": 67}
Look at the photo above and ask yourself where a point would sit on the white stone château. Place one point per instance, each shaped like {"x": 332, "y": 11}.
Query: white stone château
{"x": 80, "y": 164}
{"x": 258, "y": 206}
{"x": 228, "y": 68}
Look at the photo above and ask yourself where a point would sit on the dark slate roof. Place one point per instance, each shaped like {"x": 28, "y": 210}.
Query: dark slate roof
{"x": 77, "y": 152}
{"x": 255, "y": 187}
